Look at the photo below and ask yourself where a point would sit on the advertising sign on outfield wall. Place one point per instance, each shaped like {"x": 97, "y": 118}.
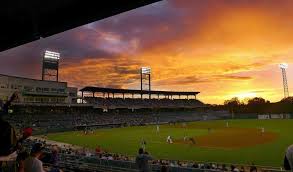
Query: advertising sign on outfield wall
{"x": 277, "y": 116}
{"x": 263, "y": 116}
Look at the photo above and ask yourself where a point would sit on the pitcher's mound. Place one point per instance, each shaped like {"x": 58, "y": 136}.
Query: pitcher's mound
{"x": 230, "y": 138}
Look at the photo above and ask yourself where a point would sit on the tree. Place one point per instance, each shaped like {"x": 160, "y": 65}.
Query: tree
{"x": 257, "y": 101}
{"x": 258, "y": 105}
{"x": 287, "y": 100}
{"x": 232, "y": 102}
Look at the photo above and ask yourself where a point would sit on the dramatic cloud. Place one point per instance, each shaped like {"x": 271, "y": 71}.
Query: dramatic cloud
{"x": 222, "y": 48}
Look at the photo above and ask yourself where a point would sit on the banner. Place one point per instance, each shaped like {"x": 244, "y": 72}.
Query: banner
{"x": 277, "y": 116}
{"x": 263, "y": 116}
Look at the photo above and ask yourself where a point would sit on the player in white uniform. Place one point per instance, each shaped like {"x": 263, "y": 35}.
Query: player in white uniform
{"x": 185, "y": 138}
{"x": 169, "y": 139}
{"x": 262, "y": 130}
{"x": 227, "y": 124}
{"x": 143, "y": 144}
{"x": 158, "y": 128}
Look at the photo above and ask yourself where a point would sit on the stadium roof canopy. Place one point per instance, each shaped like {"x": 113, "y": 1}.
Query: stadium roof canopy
{"x": 29, "y": 20}
{"x": 129, "y": 91}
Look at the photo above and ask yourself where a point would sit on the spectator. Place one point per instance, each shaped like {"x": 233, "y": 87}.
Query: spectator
{"x": 7, "y": 134}
{"x": 195, "y": 165}
{"x": 253, "y": 168}
{"x": 142, "y": 160}
{"x": 98, "y": 150}
{"x": 55, "y": 151}
{"x": 164, "y": 168}
{"x": 234, "y": 168}
{"x": 224, "y": 168}
{"x": 54, "y": 159}
{"x": 288, "y": 162}
{"x": 33, "y": 164}
{"x": 20, "y": 159}
{"x": 207, "y": 166}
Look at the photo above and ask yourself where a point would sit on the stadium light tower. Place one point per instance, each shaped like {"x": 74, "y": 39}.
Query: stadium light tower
{"x": 50, "y": 67}
{"x": 145, "y": 71}
{"x": 283, "y": 67}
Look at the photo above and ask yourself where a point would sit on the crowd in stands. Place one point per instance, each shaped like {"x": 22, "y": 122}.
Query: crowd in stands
{"x": 55, "y": 121}
{"x": 56, "y": 156}
{"x": 137, "y": 102}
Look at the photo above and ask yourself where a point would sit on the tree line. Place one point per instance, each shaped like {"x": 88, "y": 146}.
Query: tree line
{"x": 257, "y": 105}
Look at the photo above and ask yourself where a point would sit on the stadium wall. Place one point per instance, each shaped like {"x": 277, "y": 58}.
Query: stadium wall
{"x": 36, "y": 91}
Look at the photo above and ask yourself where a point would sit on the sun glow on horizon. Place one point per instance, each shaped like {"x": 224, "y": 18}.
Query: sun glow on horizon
{"x": 245, "y": 95}
{"x": 222, "y": 49}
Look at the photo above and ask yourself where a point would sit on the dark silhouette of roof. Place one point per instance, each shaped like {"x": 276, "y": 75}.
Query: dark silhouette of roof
{"x": 29, "y": 20}
{"x": 129, "y": 91}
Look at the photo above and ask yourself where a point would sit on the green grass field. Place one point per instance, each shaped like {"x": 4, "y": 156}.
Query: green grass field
{"x": 127, "y": 141}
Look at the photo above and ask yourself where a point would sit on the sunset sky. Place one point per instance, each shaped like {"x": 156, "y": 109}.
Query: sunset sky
{"x": 222, "y": 48}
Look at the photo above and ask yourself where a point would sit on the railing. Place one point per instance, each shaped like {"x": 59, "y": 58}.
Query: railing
{"x": 62, "y": 104}
{"x": 71, "y": 163}
{"x": 94, "y": 163}
{"x": 44, "y": 93}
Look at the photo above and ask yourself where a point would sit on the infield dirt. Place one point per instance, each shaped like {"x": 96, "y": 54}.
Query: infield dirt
{"x": 232, "y": 138}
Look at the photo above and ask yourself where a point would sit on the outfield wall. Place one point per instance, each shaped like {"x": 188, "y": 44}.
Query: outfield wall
{"x": 262, "y": 116}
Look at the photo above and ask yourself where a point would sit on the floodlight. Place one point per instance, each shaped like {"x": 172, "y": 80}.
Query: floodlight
{"x": 283, "y": 65}
{"x": 145, "y": 70}
{"x": 50, "y": 66}
{"x": 51, "y": 55}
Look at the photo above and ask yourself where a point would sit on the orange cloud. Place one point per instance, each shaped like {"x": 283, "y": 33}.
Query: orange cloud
{"x": 227, "y": 52}
{"x": 220, "y": 48}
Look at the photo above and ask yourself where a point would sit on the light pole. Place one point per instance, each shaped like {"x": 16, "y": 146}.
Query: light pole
{"x": 283, "y": 67}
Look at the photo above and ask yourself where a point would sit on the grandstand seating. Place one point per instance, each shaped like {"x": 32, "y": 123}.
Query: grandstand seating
{"x": 143, "y": 103}
{"x": 59, "y": 121}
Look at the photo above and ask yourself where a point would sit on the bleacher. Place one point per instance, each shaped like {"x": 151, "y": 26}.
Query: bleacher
{"x": 112, "y": 103}
{"x": 61, "y": 121}
{"x": 127, "y": 98}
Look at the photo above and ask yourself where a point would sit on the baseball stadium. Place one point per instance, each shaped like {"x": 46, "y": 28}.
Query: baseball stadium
{"x": 146, "y": 86}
